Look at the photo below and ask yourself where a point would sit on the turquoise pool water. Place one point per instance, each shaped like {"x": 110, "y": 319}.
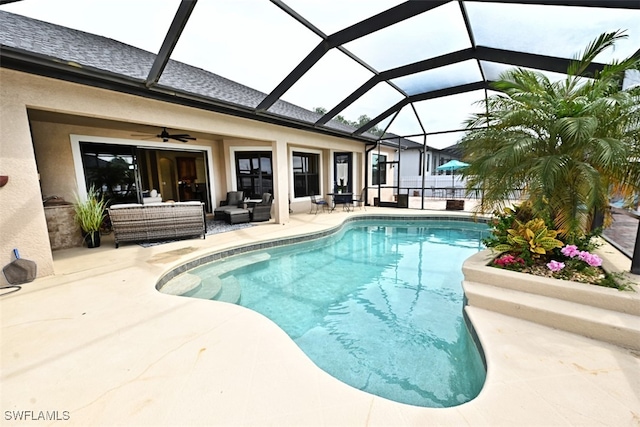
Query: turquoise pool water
{"x": 378, "y": 305}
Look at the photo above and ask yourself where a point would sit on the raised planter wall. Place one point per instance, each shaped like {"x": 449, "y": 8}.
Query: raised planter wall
{"x": 593, "y": 311}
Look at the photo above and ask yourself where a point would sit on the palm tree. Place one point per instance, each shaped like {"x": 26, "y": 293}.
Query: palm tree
{"x": 566, "y": 144}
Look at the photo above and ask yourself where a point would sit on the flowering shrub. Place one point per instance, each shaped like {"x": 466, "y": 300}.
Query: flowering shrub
{"x": 572, "y": 251}
{"x": 555, "y": 266}
{"x": 509, "y": 262}
{"x": 578, "y": 263}
{"x": 591, "y": 259}
{"x": 571, "y": 258}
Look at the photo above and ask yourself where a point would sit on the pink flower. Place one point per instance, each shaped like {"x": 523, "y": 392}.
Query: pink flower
{"x": 555, "y": 266}
{"x": 591, "y": 259}
{"x": 570, "y": 251}
{"x": 506, "y": 260}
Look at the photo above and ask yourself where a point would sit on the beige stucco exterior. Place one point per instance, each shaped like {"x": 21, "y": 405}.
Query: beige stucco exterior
{"x": 41, "y": 116}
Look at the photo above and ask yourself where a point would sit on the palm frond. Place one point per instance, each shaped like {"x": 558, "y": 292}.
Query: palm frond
{"x": 564, "y": 144}
{"x": 601, "y": 43}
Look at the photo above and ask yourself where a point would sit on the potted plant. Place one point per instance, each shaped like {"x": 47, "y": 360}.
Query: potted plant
{"x": 89, "y": 215}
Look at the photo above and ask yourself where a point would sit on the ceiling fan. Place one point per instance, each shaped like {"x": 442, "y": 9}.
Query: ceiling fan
{"x": 166, "y": 136}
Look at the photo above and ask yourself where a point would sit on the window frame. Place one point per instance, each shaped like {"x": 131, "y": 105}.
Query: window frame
{"x": 254, "y": 152}
{"x": 374, "y": 169}
{"x": 293, "y": 152}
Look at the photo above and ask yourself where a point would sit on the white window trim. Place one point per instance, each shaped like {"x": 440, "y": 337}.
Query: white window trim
{"x": 79, "y": 170}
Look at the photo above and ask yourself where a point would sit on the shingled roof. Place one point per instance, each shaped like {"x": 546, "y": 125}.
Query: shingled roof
{"x": 415, "y": 68}
{"x": 95, "y": 53}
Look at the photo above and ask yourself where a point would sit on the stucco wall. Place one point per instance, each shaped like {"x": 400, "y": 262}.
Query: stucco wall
{"x": 22, "y": 220}
{"x": 54, "y": 159}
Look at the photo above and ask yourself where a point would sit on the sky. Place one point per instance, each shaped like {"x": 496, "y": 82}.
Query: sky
{"x": 255, "y": 43}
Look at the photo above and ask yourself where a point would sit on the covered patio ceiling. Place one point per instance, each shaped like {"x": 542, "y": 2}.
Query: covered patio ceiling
{"x": 414, "y": 68}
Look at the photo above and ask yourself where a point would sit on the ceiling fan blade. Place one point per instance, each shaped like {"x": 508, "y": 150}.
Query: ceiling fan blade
{"x": 165, "y": 136}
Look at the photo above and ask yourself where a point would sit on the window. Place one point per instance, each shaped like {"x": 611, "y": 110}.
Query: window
{"x": 254, "y": 173}
{"x": 379, "y": 169}
{"x": 111, "y": 169}
{"x": 306, "y": 179}
{"x": 423, "y": 166}
{"x": 342, "y": 172}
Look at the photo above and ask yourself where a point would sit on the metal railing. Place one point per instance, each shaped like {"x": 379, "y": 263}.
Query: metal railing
{"x": 624, "y": 240}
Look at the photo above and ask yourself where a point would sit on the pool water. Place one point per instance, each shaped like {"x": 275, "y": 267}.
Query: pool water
{"x": 378, "y": 306}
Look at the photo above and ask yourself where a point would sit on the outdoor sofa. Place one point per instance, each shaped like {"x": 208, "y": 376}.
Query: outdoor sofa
{"x": 159, "y": 221}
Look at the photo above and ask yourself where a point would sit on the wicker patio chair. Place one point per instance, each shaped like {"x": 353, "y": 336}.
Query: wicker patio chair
{"x": 262, "y": 211}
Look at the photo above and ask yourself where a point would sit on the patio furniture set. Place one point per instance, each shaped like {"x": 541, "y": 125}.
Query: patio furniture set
{"x": 236, "y": 209}
{"x": 135, "y": 222}
{"x": 345, "y": 199}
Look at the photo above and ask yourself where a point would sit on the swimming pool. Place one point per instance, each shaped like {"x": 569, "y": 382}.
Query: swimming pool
{"x": 377, "y": 305}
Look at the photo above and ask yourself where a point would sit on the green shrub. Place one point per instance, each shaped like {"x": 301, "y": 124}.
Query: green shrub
{"x": 90, "y": 213}
{"x": 504, "y": 221}
{"x": 531, "y": 239}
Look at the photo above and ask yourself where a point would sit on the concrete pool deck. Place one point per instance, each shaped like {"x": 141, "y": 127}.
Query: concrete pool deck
{"x": 96, "y": 344}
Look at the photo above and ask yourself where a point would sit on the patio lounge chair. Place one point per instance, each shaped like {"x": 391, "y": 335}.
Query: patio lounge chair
{"x": 318, "y": 202}
{"x": 262, "y": 211}
{"x": 234, "y": 199}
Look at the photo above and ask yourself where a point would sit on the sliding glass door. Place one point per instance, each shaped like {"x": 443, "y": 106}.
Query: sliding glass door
{"x": 130, "y": 174}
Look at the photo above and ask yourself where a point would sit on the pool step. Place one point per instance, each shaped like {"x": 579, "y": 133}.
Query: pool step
{"x": 181, "y": 284}
{"x": 230, "y": 291}
{"x": 221, "y": 267}
{"x": 223, "y": 289}
{"x": 209, "y": 288}
{"x": 611, "y": 326}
